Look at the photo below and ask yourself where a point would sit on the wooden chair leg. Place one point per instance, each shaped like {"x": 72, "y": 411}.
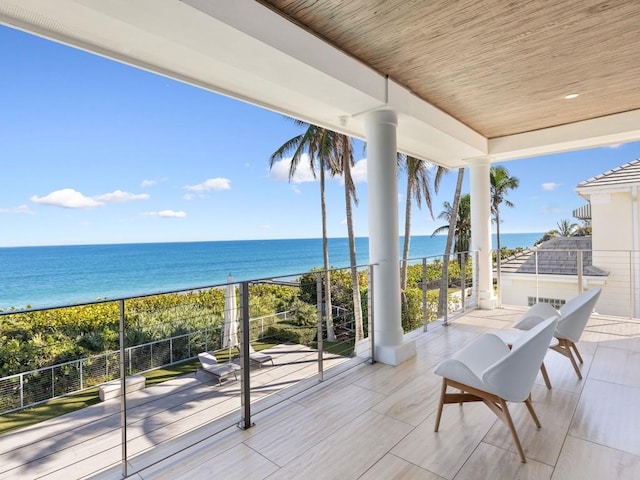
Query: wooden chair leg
{"x": 527, "y": 402}
{"x": 545, "y": 375}
{"x": 575, "y": 350}
{"x": 509, "y": 421}
{"x": 442, "y": 395}
{"x": 569, "y": 353}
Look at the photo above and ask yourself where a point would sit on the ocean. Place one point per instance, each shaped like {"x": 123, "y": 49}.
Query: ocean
{"x": 38, "y": 277}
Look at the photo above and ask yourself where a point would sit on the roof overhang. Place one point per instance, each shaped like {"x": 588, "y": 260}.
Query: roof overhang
{"x": 247, "y": 51}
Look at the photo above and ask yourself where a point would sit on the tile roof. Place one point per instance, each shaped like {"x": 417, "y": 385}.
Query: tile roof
{"x": 557, "y": 256}
{"x": 626, "y": 174}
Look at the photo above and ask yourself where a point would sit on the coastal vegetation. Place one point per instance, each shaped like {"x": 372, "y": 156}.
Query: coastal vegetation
{"x": 40, "y": 338}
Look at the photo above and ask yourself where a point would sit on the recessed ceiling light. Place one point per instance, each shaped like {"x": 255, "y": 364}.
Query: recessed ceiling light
{"x": 571, "y": 96}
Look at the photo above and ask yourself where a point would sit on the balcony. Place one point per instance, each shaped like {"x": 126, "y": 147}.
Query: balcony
{"x": 376, "y": 421}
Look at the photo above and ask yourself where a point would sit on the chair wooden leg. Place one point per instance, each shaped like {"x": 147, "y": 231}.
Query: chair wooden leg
{"x": 442, "y": 395}
{"x": 575, "y": 350}
{"x": 509, "y": 421}
{"x": 529, "y": 405}
{"x": 545, "y": 375}
{"x": 569, "y": 353}
{"x": 565, "y": 349}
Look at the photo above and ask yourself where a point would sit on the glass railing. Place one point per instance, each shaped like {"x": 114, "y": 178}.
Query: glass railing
{"x": 115, "y": 382}
{"x": 555, "y": 276}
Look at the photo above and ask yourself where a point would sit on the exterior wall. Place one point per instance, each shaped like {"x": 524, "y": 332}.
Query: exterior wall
{"x": 516, "y": 288}
{"x": 612, "y": 240}
{"x": 611, "y": 222}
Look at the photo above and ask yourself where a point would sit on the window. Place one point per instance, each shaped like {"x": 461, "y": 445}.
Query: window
{"x": 555, "y": 302}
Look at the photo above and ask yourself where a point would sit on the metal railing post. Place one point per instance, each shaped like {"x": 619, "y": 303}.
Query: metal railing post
{"x": 245, "y": 366}
{"x": 319, "y": 341}
{"x": 80, "y": 362}
{"x": 171, "y": 350}
{"x": 123, "y": 386}
{"x": 499, "y": 277}
{"x": 463, "y": 281}
{"x": 21, "y": 390}
{"x": 445, "y": 280}
{"x": 631, "y": 285}
{"x": 425, "y": 310}
{"x": 580, "y": 270}
{"x": 537, "y": 278}
{"x": 371, "y": 316}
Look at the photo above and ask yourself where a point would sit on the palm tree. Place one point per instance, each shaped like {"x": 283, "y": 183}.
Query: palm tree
{"x": 345, "y": 162}
{"x": 462, "y": 230}
{"x": 565, "y": 229}
{"x": 320, "y": 144}
{"x": 418, "y": 187}
{"x": 501, "y": 183}
{"x": 453, "y": 224}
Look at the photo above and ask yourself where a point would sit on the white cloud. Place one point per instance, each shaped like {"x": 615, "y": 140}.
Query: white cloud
{"x": 549, "y": 186}
{"x": 118, "y": 196}
{"x": 359, "y": 171}
{"x": 280, "y": 170}
{"x": 189, "y": 196}
{"x": 296, "y": 189}
{"x": 148, "y": 183}
{"x": 21, "y": 209}
{"x": 66, "y": 198}
{"x": 70, "y": 198}
{"x": 166, "y": 214}
{"x": 343, "y": 222}
{"x": 216, "y": 184}
{"x": 265, "y": 227}
{"x": 615, "y": 145}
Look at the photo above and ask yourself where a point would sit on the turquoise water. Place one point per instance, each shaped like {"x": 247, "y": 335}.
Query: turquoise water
{"x": 61, "y": 275}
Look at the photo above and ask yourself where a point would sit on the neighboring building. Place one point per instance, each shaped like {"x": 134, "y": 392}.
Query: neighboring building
{"x": 615, "y": 222}
{"x": 611, "y": 256}
{"x": 549, "y": 273}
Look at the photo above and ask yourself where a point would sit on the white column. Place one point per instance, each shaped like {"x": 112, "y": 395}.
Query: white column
{"x": 382, "y": 185}
{"x": 481, "y": 230}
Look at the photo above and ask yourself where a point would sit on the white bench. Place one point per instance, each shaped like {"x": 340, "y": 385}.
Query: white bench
{"x": 112, "y": 389}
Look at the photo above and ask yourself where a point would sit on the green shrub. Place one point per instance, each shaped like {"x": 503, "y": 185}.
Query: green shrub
{"x": 284, "y": 332}
{"x": 303, "y": 314}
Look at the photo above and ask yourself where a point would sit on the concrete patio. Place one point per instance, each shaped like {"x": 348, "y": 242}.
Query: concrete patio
{"x": 376, "y": 421}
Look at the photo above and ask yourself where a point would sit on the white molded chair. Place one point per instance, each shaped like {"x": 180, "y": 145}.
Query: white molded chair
{"x": 210, "y": 364}
{"x": 486, "y": 370}
{"x": 257, "y": 357}
{"x": 573, "y": 318}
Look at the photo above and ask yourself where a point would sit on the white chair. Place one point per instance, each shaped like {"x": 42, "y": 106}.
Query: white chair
{"x": 573, "y": 318}
{"x": 210, "y": 364}
{"x": 486, "y": 370}
{"x": 257, "y": 357}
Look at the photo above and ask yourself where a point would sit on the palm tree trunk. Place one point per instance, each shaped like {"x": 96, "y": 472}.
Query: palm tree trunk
{"x": 407, "y": 237}
{"x": 406, "y": 246}
{"x": 331, "y": 335}
{"x": 444, "y": 286}
{"x": 355, "y": 284}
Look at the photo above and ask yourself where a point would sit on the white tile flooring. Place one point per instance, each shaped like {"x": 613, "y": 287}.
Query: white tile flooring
{"x": 376, "y": 422}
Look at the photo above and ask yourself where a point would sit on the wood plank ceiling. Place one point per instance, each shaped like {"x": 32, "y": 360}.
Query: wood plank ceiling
{"x": 501, "y": 67}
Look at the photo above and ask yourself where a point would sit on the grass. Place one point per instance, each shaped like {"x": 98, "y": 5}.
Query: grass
{"x": 60, "y": 406}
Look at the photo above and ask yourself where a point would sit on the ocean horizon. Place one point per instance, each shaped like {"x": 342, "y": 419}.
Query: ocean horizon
{"x": 48, "y": 276}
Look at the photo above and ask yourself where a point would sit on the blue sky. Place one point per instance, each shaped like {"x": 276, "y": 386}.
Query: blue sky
{"x": 93, "y": 151}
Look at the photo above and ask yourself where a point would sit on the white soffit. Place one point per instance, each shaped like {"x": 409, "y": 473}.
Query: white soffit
{"x": 609, "y": 130}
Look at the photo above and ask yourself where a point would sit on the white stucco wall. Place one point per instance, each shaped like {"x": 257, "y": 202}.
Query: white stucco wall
{"x": 516, "y": 288}
{"x": 612, "y": 243}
